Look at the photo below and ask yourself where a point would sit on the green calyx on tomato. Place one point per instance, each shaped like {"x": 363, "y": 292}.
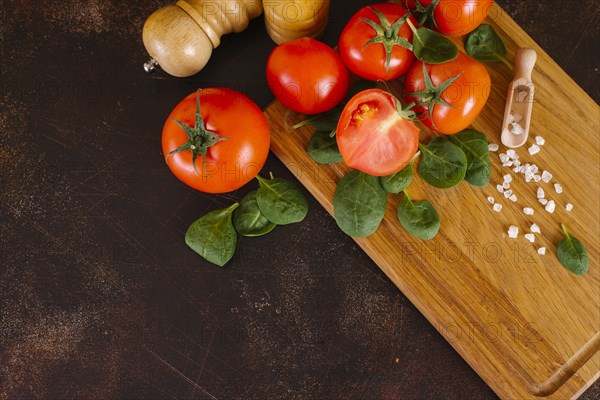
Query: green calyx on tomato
{"x": 424, "y": 14}
{"x": 199, "y": 138}
{"x": 387, "y": 34}
{"x": 432, "y": 95}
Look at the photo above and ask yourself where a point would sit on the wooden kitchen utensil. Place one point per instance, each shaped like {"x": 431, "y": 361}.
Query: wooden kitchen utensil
{"x": 519, "y": 101}
{"x": 293, "y": 19}
{"x": 180, "y": 37}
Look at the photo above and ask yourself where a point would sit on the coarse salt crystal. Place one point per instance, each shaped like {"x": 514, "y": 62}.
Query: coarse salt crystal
{"x": 503, "y": 157}
{"x": 528, "y": 210}
{"x": 540, "y": 193}
{"x": 558, "y": 188}
{"x": 543, "y": 201}
{"x": 542, "y": 251}
{"x": 534, "y": 149}
{"x": 506, "y": 185}
{"x": 529, "y": 177}
{"x": 508, "y": 164}
{"x": 497, "y": 207}
{"x": 537, "y": 178}
{"x": 493, "y": 147}
{"x": 508, "y": 178}
{"x": 512, "y": 154}
{"x": 508, "y": 193}
{"x": 513, "y": 198}
{"x": 516, "y": 129}
{"x": 530, "y": 237}
{"x": 517, "y": 117}
{"x": 500, "y": 188}
{"x": 550, "y": 206}
{"x": 569, "y": 207}
{"x": 535, "y": 228}
{"x": 510, "y": 119}
{"x": 513, "y": 232}
{"x": 546, "y": 176}
{"x": 491, "y": 200}
{"x": 540, "y": 141}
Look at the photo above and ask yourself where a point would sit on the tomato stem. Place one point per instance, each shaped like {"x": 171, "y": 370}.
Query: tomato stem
{"x": 199, "y": 140}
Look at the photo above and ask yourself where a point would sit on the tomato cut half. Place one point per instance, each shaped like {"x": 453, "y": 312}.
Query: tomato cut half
{"x": 374, "y": 134}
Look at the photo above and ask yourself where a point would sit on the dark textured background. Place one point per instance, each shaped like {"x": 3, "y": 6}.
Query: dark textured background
{"x": 100, "y": 297}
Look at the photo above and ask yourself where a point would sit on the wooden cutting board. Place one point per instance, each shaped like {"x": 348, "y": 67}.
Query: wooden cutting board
{"x": 527, "y": 325}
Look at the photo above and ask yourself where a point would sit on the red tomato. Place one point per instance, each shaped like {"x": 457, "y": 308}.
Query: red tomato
{"x": 455, "y": 17}
{"x": 373, "y": 136}
{"x": 373, "y": 52}
{"x": 232, "y": 131}
{"x": 466, "y": 96}
{"x": 307, "y": 76}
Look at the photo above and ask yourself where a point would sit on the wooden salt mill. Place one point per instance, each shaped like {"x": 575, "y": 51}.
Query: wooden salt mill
{"x": 180, "y": 38}
{"x": 293, "y": 19}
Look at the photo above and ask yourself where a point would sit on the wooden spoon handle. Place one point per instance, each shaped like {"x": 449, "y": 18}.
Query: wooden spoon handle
{"x": 524, "y": 62}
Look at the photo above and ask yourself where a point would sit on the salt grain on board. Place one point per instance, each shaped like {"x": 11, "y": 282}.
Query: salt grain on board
{"x": 500, "y": 188}
{"x": 540, "y": 193}
{"x": 528, "y": 210}
{"x": 550, "y": 206}
{"x": 513, "y": 232}
{"x": 508, "y": 178}
{"x": 497, "y": 207}
{"x": 540, "y": 141}
{"x": 542, "y": 251}
{"x": 569, "y": 207}
{"x": 535, "y": 228}
{"x": 513, "y": 198}
{"x": 530, "y": 237}
{"x": 493, "y": 147}
{"x": 534, "y": 149}
{"x": 491, "y": 200}
{"x": 558, "y": 188}
{"x": 546, "y": 176}
{"x": 543, "y": 201}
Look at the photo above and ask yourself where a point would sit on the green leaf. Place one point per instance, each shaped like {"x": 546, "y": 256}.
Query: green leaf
{"x": 420, "y": 218}
{"x": 484, "y": 44}
{"x": 572, "y": 254}
{"x": 213, "y": 236}
{"x": 359, "y": 204}
{"x": 443, "y": 164}
{"x": 248, "y": 220}
{"x": 475, "y": 146}
{"x": 280, "y": 201}
{"x": 432, "y": 47}
{"x": 396, "y": 183}
{"x": 323, "y": 148}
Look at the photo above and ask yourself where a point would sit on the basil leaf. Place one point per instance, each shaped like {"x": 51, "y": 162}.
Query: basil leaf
{"x": 443, "y": 164}
{"x": 572, "y": 254}
{"x": 432, "y": 47}
{"x": 399, "y": 181}
{"x": 213, "y": 236}
{"x": 248, "y": 220}
{"x": 484, "y": 44}
{"x": 323, "y": 148}
{"x": 280, "y": 201}
{"x": 420, "y": 218}
{"x": 475, "y": 146}
{"x": 359, "y": 204}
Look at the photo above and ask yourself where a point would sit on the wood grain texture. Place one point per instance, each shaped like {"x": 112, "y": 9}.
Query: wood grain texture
{"x": 528, "y": 326}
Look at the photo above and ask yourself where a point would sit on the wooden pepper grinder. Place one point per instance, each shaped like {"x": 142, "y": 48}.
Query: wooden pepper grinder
{"x": 293, "y": 19}
{"x": 180, "y": 38}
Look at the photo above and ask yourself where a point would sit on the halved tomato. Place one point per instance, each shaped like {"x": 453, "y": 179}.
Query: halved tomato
{"x": 375, "y": 135}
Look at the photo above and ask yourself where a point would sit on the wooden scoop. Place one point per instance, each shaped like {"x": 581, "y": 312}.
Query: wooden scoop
{"x": 519, "y": 101}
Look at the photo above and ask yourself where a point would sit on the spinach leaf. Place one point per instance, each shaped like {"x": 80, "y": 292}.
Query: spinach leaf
{"x": 420, "y": 218}
{"x": 213, "y": 236}
{"x": 248, "y": 220}
{"x": 359, "y": 204}
{"x": 395, "y": 183}
{"x": 443, "y": 164}
{"x": 432, "y": 47}
{"x": 475, "y": 146}
{"x": 323, "y": 148}
{"x": 280, "y": 201}
{"x": 572, "y": 253}
{"x": 484, "y": 44}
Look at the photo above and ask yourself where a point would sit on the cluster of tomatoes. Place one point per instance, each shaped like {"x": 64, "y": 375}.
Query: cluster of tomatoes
{"x": 375, "y": 133}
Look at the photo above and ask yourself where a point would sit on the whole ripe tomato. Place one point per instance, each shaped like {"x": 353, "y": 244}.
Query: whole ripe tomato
{"x": 374, "y": 134}
{"x": 307, "y": 76}
{"x": 452, "y": 17}
{"x": 454, "y": 97}
{"x": 376, "y": 41}
{"x": 221, "y": 147}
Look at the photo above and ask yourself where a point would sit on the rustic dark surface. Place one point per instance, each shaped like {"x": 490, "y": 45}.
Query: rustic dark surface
{"x": 100, "y": 297}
